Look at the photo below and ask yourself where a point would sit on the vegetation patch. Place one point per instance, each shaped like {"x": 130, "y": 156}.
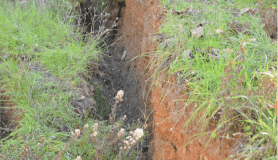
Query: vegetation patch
{"x": 103, "y": 105}
{"x": 44, "y": 58}
{"x": 223, "y": 52}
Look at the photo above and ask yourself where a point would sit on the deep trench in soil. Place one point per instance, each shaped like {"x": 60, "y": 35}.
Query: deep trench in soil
{"x": 112, "y": 76}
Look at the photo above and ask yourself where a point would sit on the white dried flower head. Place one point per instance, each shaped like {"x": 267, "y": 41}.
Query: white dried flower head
{"x": 124, "y": 117}
{"x": 125, "y": 142}
{"x": 121, "y": 148}
{"x": 86, "y": 126}
{"x": 77, "y": 132}
{"x": 95, "y": 134}
{"x": 218, "y": 31}
{"x": 138, "y": 133}
{"x": 78, "y": 158}
{"x": 124, "y": 147}
{"x": 95, "y": 127}
{"x": 72, "y": 133}
{"x": 243, "y": 44}
{"x": 121, "y": 132}
{"x": 131, "y": 132}
{"x": 120, "y": 95}
{"x": 132, "y": 141}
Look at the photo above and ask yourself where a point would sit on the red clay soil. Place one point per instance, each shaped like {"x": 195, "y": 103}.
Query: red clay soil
{"x": 140, "y": 19}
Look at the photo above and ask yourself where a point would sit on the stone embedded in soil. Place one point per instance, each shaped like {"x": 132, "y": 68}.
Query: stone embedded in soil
{"x": 197, "y": 32}
{"x": 123, "y": 56}
{"x": 194, "y": 12}
{"x": 84, "y": 103}
{"x": 201, "y": 24}
{"x": 187, "y": 53}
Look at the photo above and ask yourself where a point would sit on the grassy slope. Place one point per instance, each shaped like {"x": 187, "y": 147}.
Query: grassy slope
{"x": 238, "y": 87}
{"x": 49, "y": 38}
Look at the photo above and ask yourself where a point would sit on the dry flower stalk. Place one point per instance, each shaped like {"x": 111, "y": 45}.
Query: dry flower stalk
{"x": 131, "y": 140}
{"x": 74, "y": 135}
{"x": 119, "y": 97}
{"x": 121, "y": 133}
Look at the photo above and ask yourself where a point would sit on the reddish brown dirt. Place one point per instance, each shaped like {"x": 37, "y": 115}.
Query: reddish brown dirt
{"x": 140, "y": 19}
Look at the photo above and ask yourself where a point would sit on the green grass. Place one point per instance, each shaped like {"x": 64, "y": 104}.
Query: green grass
{"x": 233, "y": 82}
{"x": 47, "y": 36}
{"x": 103, "y": 104}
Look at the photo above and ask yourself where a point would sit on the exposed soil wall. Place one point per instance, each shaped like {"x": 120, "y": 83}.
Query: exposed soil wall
{"x": 139, "y": 21}
{"x": 7, "y": 113}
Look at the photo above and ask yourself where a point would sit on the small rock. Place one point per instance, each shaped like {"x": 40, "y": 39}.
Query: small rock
{"x": 123, "y": 56}
{"x": 187, "y": 53}
{"x": 214, "y": 52}
{"x": 194, "y": 12}
{"x": 197, "y": 32}
{"x": 202, "y": 23}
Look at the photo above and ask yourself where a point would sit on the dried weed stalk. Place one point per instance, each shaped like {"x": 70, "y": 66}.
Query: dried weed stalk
{"x": 118, "y": 98}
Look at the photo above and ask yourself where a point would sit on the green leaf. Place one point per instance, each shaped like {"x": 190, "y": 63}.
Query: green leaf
{"x": 227, "y": 136}
{"x": 76, "y": 4}
{"x": 213, "y": 135}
